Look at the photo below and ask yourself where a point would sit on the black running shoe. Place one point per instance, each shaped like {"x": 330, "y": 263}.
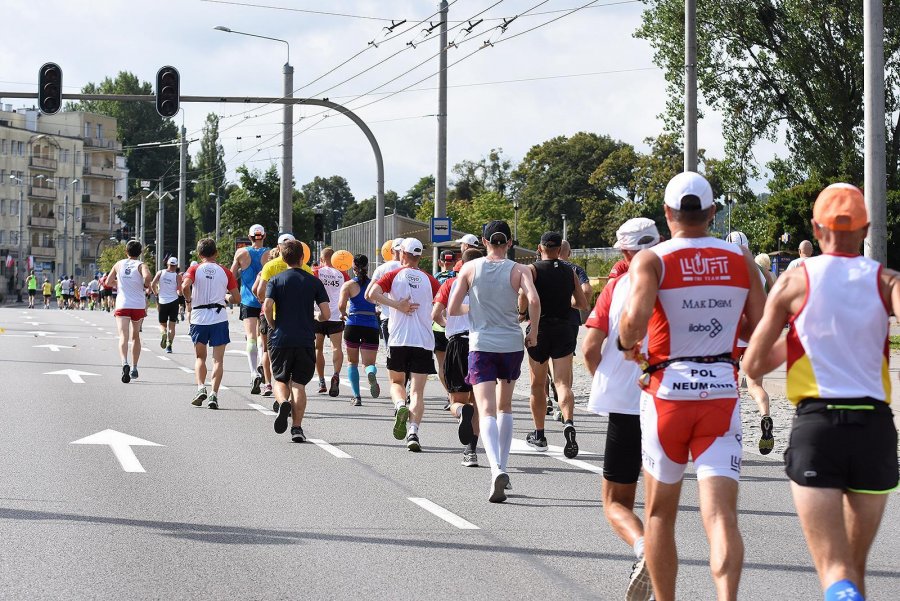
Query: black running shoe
{"x": 767, "y": 439}
{"x": 322, "y": 387}
{"x": 470, "y": 458}
{"x": 281, "y": 420}
{"x": 259, "y": 370}
{"x": 356, "y": 401}
{"x": 275, "y": 406}
{"x": 335, "y": 388}
{"x": 126, "y": 374}
{"x": 465, "y": 424}
{"x": 570, "y": 450}
{"x": 134, "y": 373}
{"x": 213, "y": 401}
{"x": 255, "y": 385}
{"x": 498, "y": 488}
{"x": 297, "y": 434}
{"x": 538, "y": 444}
{"x": 447, "y": 405}
{"x": 412, "y": 442}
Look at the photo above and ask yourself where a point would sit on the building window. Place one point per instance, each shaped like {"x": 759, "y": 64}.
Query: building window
{"x": 2, "y": 176}
{"x": 2, "y": 236}
{"x": 100, "y": 131}
{"x": 87, "y": 129}
{"x": 3, "y": 146}
{"x": 77, "y": 213}
{"x": 2, "y": 206}
{"x": 21, "y": 149}
{"x": 77, "y": 157}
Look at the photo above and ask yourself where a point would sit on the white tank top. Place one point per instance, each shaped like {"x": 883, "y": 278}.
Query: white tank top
{"x": 332, "y": 279}
{"x": 131, "y": 285}
{"x": 837, "y": 347}
{"x": 168, "y": 287}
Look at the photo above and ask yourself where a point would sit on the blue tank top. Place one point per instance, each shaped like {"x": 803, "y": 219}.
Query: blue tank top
{"x": 248, "y": 277}
{"x": 361, "y": 312}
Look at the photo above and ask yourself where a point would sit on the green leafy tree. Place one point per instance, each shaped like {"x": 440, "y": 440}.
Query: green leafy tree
{"x": 364, "y": 210}
{"x": 109, "y": 256}
{"x": 333, "y": 197}
{"x": 490, "y": 174}
{"x": 210, "y": 170}
{"x": 410, "y": 203}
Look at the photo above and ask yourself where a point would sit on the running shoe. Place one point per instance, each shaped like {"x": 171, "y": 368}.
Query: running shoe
{"x": 267, "y": 390}
{"x": 570, "y": 450}
{"x": 374, "y": 388}
{"x": 335, "y": 388}
{"x": 538, "y": 444}
{"x": 134, "y": 373}
{"x": 275, "y": 406}
{"x": 549, "y": 406}
{"x": 400, "y": 422}
{"x": 297, "y": 434}
{"x": 356, "y": 401}
{"x": 447, "y": 405}
{"x": 470, "y": 458}
{"x": 199, "y": 398}
{"x": 465, "y": 424}
{"x": 639, "y": 586}
{"x": 412, "y": 442}
{"x": 767, "y": 439}
{"x": 498, "y": 488}
{"x": 255, "y": 385}
{"x": 126, "y": 374}
{"x": 164, "y": 342}
{"x": 259, "y": 370}
{"x": 213, "y": 402}
{"x": 169, "y": 350}
{"x": 559, "y": 417}
{"x": 281, "y": 421}
{"x": 322, "y": 387}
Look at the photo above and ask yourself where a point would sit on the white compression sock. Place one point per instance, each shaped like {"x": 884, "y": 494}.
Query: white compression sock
{"x": 505, "y": 427}
{"x": 252, "y": 357}
{"x": 639, "y": 547}
{"x": 490, "y": 436}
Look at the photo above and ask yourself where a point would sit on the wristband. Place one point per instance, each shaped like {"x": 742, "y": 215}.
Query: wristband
{"x": 619, "y": 345}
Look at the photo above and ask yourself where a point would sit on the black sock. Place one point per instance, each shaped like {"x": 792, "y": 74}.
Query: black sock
{"x": 569, "y": 422}
{"x": 473, "y": 444}
{"x": 538, "y": 433}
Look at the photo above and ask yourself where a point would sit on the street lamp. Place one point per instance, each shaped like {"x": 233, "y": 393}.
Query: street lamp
{"x": 516, "y": 220}
{"x": 21, "y": 185}
{"x": 285, "y": 218}
{"x": 565, "y": 227}
{"x": 218, "y": 211}
{"x": 160, "y": 222}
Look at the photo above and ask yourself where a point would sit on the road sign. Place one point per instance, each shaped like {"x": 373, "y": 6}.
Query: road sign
{"x": 440, "y": 229}
{"x": 121, "y": 447}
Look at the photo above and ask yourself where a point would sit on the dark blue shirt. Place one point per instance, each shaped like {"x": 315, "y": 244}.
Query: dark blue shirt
{"x": 581, "y": 274}
{"x": 295, "y": 293}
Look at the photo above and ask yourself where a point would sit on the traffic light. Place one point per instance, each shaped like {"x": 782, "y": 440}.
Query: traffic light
{"x": 50, "y": 88}
{"x": 168, "y": 91}
{"x": 319, "y": 227}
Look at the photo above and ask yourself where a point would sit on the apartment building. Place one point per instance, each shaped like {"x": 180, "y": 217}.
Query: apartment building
{"x": 67, "y": 172}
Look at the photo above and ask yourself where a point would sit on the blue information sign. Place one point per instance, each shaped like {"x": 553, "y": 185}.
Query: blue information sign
{"x": 440, "y": 229}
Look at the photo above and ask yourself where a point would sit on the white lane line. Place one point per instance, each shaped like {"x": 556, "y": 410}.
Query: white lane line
{"x": 520, "y": 447}
{"x": 186, "y": 370}
{"x": 161, "y": 358}
{"x": 444, "y": 514}
{"x": 221, "y": 386}
{"x": 262, "y": 409}
{"x": 330, "y": 448}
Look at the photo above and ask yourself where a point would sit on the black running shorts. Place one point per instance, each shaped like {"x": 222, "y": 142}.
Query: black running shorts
{"x": 411, "y": 359}
{"x": 168, "y": 312}
{"x": 327, "y": 328}
{"x": 293, "y": 364}
{"x": 850, "y": 444}
{"x": 622, "y": 457}
{"x": 440, "y": 341}
{"x": 555, "y": 340}
{"x": 362, "y": 337}
{"x": 249, "y": 312}
{"x": 456, "y": 363}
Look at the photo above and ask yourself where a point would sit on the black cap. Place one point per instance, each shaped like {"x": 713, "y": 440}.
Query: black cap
{"x": 497, "y": 232}
{"x": 551, "y": 240}
{"x": 361, "y": 261}
{"x": 448, "y": 256}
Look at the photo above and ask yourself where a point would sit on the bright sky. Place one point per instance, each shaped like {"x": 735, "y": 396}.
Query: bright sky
{"x": 586, "y": 72}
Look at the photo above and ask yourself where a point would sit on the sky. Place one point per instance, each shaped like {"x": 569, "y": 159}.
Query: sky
{"x": 586, "y": 72}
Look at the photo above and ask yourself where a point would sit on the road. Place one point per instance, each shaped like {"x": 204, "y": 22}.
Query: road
{"x": 224, "y": 508}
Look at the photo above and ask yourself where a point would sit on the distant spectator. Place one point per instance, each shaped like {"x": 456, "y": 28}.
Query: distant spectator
{"x": 806, "y": 251}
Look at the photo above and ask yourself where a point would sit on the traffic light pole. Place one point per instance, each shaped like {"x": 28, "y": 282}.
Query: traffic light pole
{"x": 379, "y": 160}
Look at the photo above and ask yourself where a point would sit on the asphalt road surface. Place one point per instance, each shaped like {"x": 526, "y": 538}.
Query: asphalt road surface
{"x": 223, "y": 508}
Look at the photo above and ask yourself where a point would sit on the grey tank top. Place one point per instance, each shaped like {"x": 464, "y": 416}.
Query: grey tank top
{"x": 493, "y": 309}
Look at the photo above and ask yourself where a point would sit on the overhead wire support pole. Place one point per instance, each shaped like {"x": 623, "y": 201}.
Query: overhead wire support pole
{"x": 875, "y": 184}
{"x": 182, "y": 196}
{"x": 690, "y": 85}
{"x": 440, "y": 182}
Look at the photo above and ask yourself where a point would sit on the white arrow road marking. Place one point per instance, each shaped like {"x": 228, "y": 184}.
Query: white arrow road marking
{"x": 121, "y": 447}
{"x": 40, "y": 333}
{"x": 186, "y": 370}
{"x": 162, "y": 358}
{"x": 445, "y": 514}
{"x": 330, "y": 448}
{"x": 237, "y": 352}
{"x": 35, "y": 323}
{"x": 54, "y": 348}
{"x": 520, "y": 447}
{"x": 73, "y": 374}
{"x": 262, "y": 409}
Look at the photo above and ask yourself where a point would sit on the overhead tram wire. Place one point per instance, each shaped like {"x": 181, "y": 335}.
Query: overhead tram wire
{"x": 298, "y": 10}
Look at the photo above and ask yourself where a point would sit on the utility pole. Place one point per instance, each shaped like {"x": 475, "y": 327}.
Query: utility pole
{"x": 21, "y": 252}
{"x": 440, "y": 182}
{"x": 285, "y": 210}
{"x": 160, "y": 225}
{"x": 141, "y": 221}
{"x": 182, "y": 194}
{"x": 71, "y": 186}
{"x": 690, "y": 85}
{"x": 875, "y": 184}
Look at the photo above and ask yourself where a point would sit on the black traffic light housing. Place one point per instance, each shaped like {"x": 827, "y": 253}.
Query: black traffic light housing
{"x": 168, "y": 91}
{"x": 50, "y": 88}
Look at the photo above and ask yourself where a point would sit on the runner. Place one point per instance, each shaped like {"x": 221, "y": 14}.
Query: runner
{"x": 410, "y": 339}
{"x": 380, "y": 271}
{"x": 842, "y": 456}
{"x": 294, "y": 294}
{"x": 210, "y": 287}
{"x": 83, "y": 295}
{"x": 495, "y": 342}
{"x": 559, "y": 292}
{"x": 754, "y": 386}
{"x": 166, "y": 284}
{"x": 131, "y": 305}
{"x": 446, "y": 261}
{"x": 806, "y": 252}
{"x": 615, "y": 393}
{"x": 57, "y": 289}
{"x": 47, "y": 290}
{"x": 248, "y": 262}
{"x": 465, "y": 243}
{"x": 67, "y": 291}
{"x": 456, "y": 368}
{"x": 106, "y": 293}
{"x": 94, "y": 292}
{"x": 697, "y": 295}
{"x": 362, "y": 331}
{"x": 330, "y": 328}
{"x": 32, "y": 283}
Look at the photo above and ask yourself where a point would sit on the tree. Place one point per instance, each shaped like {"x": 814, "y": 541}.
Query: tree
{"x": 364, "y": 210}
{"x": 109, "y": 256}
{"x": 210, "y": 170}
{"x": 333, "y": 197}
{"x": 489, "y": 174}
{"x": 410, "y": 203}
{"x": 470, "y": 215}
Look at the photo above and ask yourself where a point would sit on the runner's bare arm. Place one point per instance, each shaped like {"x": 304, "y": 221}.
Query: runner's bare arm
{"x": 238, "y": 262}
{"x": 756, "y": 299}
{"x": 145, "y": 271}
{"x": 269, "y": 310}
{"x": 376, "y": 295}
{"x": 112, "y": 276}
{"x": 154, "y": 285}
{"x": 526, "y": 284}
{"x": 644, "y": 272}
{"x": 890, "y": 287}
{"x": 324, "y": 312}
{"x": 345, "y": 297}
{"x": 580, "y": 300}
{"x": 592, "y": 347}
{"x": 460, "y": 290}
{"x": 437, "y": 314}
{"x": 234, "y": 296}
{"x": 186, "y": 288}
{"x": 767, "y": 350}
{"x": 259, "y": 287}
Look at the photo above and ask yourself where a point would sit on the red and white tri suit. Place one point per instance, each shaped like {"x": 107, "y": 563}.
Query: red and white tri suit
{"x": 690, "y": 406}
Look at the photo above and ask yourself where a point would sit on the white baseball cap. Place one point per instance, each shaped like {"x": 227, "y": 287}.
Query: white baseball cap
{"x": 468, "y": 239}
{"x": 256, "y": 229}
{"x": 411, "y": 246}
{"x": 285, "y": 237}
{"x": 637, "y": 234}
{"x": 172, "y": 261}
{"x": 397, "y": 244}
{"x": 739, "y": 238}
{"x": 688, "y": 185}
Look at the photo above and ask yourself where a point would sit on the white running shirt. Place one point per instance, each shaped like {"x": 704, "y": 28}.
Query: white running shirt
{"x": 131, "y": 285}
{"x": 211, "y": 282}
{"x": 332, "y": 279}
{"x": 420, "y": 287}
{"x": 380, "y": 271}
{"x": 168, "y": 287}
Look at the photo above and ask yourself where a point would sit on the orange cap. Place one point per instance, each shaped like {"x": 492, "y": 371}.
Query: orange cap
{"x": 841, "y": 208}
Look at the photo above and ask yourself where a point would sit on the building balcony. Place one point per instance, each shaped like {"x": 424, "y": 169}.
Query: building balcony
{"x": 94, "y": 171}
{"x": 42, "y": 163}
{"x": 42, "y": 222}
{"x": 94, "y": 226}
{"x": 95, "y": 199}
{"x": 44, "y": 251}
{"x": 103, "y": 143}
{"x": 36, "y": 192}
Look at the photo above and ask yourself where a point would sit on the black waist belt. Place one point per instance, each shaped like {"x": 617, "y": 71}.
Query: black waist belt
{"x": 706, "y": 360}
{"x": 362, "y": 313}
{"x": 459, "y": 335}
{"x": 215, "y": 306}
